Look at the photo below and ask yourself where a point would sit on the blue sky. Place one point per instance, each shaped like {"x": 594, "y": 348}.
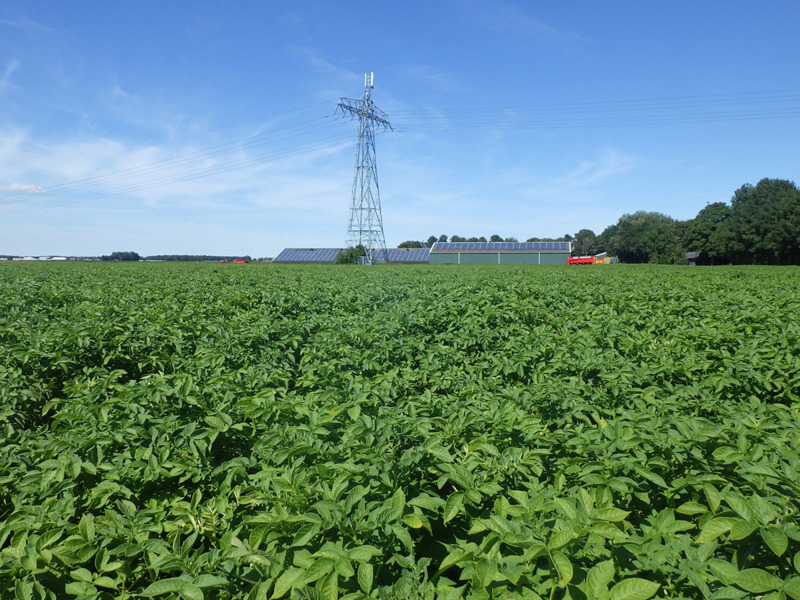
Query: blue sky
{"x": 199, "y": 127}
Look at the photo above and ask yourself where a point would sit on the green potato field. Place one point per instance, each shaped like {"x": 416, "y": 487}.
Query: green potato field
{"x": 208, "y": 431}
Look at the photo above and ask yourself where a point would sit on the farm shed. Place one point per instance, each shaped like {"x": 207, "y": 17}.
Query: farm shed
{"x": 328, "y": 255}
{"x": 500, "y": 253}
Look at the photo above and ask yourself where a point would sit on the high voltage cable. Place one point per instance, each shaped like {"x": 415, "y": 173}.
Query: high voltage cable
{"x": 197, "y": 173}
{"x": 288, "y": 132}
{"x": 773, "y": 104}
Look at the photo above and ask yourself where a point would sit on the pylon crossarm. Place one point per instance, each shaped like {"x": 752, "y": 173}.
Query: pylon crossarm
{"x": 364, "y": 109}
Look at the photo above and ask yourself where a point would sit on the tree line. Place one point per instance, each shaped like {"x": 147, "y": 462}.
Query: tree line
{"x": 760, "y": 225}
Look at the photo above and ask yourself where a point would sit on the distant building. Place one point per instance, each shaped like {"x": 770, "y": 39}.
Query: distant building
{"x": 328, "y": 255}
{"x": 500, "y": 253}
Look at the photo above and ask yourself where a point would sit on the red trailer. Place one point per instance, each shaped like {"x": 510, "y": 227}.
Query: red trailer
{"x": 580, "y": 260}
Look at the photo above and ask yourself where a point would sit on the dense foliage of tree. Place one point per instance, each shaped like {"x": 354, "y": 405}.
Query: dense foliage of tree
{"x": 128, "y": 256}
{"x": 765, "y": 223}
{"x": 584, "y": 243}
{"x": 644, "y": 237}
{"x": 761, "y": 226}
{"x": 411, "y": 244}
{"x": 349, "y": 256}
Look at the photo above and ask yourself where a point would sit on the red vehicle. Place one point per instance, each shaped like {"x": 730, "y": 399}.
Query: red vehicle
{"x": 580, "y": 260}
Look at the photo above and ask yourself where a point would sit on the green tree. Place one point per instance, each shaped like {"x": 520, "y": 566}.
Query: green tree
{"x": 410, "y": 244}
{"x": 585, "y": 242}
{"x": 647, "y": 237}
{"x": 495, "y": 238}
{"x": 349, "y": 256}
{"x": 443, "y": 238}
{"x": 457, "y": 238}
{"x": 709, "y": 234}
{"x": 126, "y": 256}
{"x": 431, "y": 241}
{"x": 765, "y": 225}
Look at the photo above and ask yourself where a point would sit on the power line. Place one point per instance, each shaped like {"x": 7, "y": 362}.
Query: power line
{"x": 315, "y": 135}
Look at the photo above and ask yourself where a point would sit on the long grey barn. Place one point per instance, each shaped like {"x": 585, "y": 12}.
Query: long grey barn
{"x": 500, "y": 253}
{"x": 450, "y": 253}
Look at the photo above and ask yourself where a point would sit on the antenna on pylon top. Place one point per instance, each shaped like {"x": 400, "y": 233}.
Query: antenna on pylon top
{"x": 365, "y": 227}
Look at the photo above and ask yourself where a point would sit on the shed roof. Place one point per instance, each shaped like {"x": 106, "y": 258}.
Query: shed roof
{"x": 328, "y": 255}
{"x": 511, "y": 247}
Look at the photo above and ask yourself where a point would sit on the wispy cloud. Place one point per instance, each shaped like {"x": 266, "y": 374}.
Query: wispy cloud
{"x": 434, "y": 78}
{"x": 25, "y": 23}
{"x": 608, "y": 163}
{"x": 24, "y": 188}
{"x": 5, "y": 79}
{"x": 508, "y": 19}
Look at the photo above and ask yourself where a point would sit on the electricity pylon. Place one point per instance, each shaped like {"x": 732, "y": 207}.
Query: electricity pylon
{"x": 365, "y": 226}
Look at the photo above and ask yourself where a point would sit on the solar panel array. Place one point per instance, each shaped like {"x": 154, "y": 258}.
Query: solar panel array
{"x": 328, "y": 255}
{"x": 309, "y": 255}
{"x": 412, "y": 255}
{"x": 502, "y": 246}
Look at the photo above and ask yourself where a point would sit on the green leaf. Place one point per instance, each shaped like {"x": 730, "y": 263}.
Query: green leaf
{"x": 610, "y": 514}
{"x": 79, "y": 588}
{"x": 204, "y": 581}
{"x": 563, "y": 567}
{"x": 456, "y": 555}
{"x": 318, "y": 569}
{"x": 403, "y": 535}
{"x": 441, "y": 453}
{"x": 607, "y": 530}
{"x": 757, "y": 581}
{"x": 191, "y": 592}
{"x": 81, "y": 575}
{"x": 105, "y": 582}
{"x": 354, "y": 412}
{"x": 453, "y": 506}
{"x": 288, "y": 579}
{"x": 485, "y": 570}
{"x": 634, "y": 588}
{"x": 305, "y": 533}
{"x": 164, "y": 586}
{"x": 365, "y": 577}
{"x": 560, "y": 539}
{"x": 566, "y": 508}
{"x": 712, "y": 496}
{"x": 363, "y": 553}
{"x": 328, "y": 587}
{"x": 742, "y": 529}
{"x": 792, "y": 587}
{"x": 728, "y": 593}
{"x": 650, "y": 476}
{"x": 714, "y": 528}
{"x": 412, "y": 521}
{"x": 86, "y": 527}
{"x": 775, "y": 538}
{"x": 398, "y": 502}
{"x": 598, "y": 578}
{"x": 692, "y": 508}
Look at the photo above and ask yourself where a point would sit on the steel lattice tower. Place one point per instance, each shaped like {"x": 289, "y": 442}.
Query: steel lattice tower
{"x": 365, "y": 226}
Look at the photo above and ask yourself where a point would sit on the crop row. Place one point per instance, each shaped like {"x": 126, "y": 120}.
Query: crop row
{"x": 197, "y": 431}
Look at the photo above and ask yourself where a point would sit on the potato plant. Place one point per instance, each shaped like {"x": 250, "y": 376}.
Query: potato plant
{"x": 264, "y": 432}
